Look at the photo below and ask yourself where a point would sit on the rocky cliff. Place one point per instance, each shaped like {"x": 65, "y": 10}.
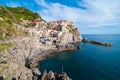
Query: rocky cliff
{"x": 69, "y": 32}
{"x": 20, "y": 55}
{"x": 21, "y": 61}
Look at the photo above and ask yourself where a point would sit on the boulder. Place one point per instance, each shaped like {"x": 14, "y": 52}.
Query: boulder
{"x": 44, "y": 75}
{"x": 51, "y": 76}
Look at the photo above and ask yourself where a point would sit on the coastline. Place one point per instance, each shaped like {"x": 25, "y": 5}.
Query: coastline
{"x": 21, "y": 61}
{"x": 34, "y": 61}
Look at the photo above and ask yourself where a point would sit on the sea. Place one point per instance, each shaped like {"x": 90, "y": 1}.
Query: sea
{"x": 91, "y": 62}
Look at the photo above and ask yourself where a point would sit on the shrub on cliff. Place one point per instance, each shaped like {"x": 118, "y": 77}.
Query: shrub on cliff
{"x": 6, "y": 14}
{"x": 7, "y": 29}
{"x": 17, "y": 15}
{"x": 74, "y": 31}
{"x": 5, "y": 46}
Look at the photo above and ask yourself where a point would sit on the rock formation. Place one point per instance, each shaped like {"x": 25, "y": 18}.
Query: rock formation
{"x": 14, "y": 64}
{"x": 69, "y": 32}
{"x": 20, "y": 61}
{"x": 85, "y": 40}
{"x": 54, "y": 76}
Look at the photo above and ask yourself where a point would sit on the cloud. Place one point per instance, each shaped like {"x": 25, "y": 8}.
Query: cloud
{"x": 41, "y": 2}
{"x": 13, "y": 4}
{"x": 102, "y": 12}
{"x": 97, "y": 13}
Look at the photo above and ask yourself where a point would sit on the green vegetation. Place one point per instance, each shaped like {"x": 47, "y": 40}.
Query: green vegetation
{"x": 9, "y": 16}
{"x": 6, "y": 14}
{"x": 1, "y": 68}
{"x": 23, "y": 33}
{"x": 21, "y": 12}
{"x": 30, "y": 25}
{"x": 7, "y": 29}
{"x": 18, "y": 13}
{"x": 74, "y": 31}
{"x": 5, "y": 46}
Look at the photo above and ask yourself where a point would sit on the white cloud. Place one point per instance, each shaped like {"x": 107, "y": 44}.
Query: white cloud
{"x": 101, "y": 12}
{"x": 97, "y": 13}
{"x": 41, "y": 2}
{"x": 13, "y": 4}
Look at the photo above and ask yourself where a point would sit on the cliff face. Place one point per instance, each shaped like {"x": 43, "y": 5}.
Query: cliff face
{"x": 20, "y": 61}
{"x": 69, "y": 32}
{"x": 13, "y": 62}
{"x": 70, "y": 38}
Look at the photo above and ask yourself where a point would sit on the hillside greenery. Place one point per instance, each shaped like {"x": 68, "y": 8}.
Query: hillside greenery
{"x": 7, "y": 29}
{"x": 18, "y": 13}
{"x": 9, "y": 16}
{"x": 6, "y": 14}
{"x": 5, "y": 46}
{"x": 74, "y": 31}
{"x": 21, "y": 12}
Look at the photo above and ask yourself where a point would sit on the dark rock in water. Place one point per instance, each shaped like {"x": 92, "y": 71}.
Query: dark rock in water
{"x": 78, "y": 47}
{"x": 85, "y": 40}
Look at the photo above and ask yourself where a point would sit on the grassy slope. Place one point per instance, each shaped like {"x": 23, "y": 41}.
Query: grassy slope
{"x": 21, "y": 12}
{"x": 11, "y": 15}
{"x": 6, "y": 14}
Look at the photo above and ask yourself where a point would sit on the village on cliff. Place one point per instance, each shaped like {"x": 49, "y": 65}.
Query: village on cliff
{"x": 52, "y": 32}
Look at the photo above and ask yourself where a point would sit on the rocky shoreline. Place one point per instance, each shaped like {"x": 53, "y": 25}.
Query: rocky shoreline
{"x": 21, "y": 61}
{"x": 28, "y": 39}
{"x": 34, "y": 62}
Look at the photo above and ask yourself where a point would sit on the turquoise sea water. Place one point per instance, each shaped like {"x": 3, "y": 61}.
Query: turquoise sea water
{"x": 92, "y": 62}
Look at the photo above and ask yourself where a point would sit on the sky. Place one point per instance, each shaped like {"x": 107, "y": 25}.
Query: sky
{"x": 90, "y": 16}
